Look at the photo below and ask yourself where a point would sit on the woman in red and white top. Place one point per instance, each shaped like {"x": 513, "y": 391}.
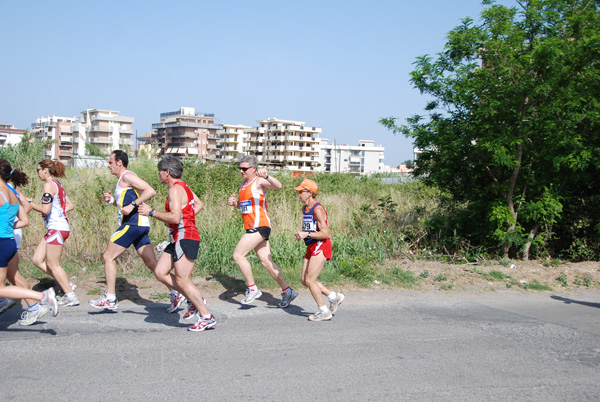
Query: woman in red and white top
{"x": 253, "y": 205}
{"x": 315, "y": 234}
{"x": 54, "y": 207}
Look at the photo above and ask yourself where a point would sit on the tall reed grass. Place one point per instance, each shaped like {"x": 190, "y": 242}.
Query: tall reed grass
{"x": 369, "y": 221}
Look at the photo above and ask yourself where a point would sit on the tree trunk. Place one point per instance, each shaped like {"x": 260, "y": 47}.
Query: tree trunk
{"x": 527, "y": 247}
{"x": 509, "y": 197}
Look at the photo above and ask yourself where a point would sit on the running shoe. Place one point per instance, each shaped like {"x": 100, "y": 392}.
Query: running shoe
{"x": 250, "y": 296}
{"x": 320, "y": 315}
{"x": 61, "y": 290}
{"x": 104, "y": 303}
{"x": 286, "y": 298}
{"x": 65, "y": 301}
{"x": 191, "y": 310}
{"x": 6, "y": 304}
{"x": 30, "y": 316}
{"x": 335, "y": 303}
{"x": 49, "y": 300}
{"x": 203, "y": 324}
{"x": 177, "y": 300}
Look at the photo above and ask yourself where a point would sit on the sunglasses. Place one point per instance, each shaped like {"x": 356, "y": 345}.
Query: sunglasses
{"x": 245, "y": 168}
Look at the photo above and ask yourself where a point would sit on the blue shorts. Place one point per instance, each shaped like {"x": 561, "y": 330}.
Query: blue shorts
{"x": 126, "y": 235}
{"x": 8, "y": 249}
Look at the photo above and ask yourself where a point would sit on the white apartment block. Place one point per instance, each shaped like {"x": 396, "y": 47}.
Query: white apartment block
{"x": 362, "y": 159}
{"x": 55, "y": 128}
{"x": 9, "y": 135}
{"x": 232, "y": 139}
{"x": 289, "y": 144}
{"x": 103, "y": 128}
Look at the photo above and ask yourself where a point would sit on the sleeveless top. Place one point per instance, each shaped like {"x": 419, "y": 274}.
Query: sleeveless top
{"x": 57, "y": 218}
{"x": 253, "y": 206}
{"x": 310, "y": 224}
{"x": 18, "y": 232}
{"x": 8, "y": 213}
{"x": 125, "y": 196}
{"x": 186, "y": 228}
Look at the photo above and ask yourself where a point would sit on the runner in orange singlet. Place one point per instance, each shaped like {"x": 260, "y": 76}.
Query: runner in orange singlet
{"x": 253, "y": 206}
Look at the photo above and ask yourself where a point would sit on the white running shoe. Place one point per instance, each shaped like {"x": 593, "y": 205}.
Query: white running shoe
{"x": 251, "y": 296}
{"x": 30, "y": 316}
{"x": 65, "y": 301}
{"x": 177, "y": 300}
{"x": 335, "y": 303}
{"x": 49, "y": 300}
{"x": 320, "y": 315}
{"x": 104, "y": 303}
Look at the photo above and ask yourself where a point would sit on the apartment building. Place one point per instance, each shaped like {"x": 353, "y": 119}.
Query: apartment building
{"x": 185, "y": 133}
{"x": 232, "y": 139}
{"x": 289, "y": 144}
{"x": 9, "y": 135}
{"x": 362, "y": 159}
{"x": 55, "y": 128}
{"x": 103, "y": 128}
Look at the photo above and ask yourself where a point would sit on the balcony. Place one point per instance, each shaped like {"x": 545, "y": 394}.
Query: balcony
{"x": 279, "y": 158}
{"x": 102, "y": 129}
{"x": 100, "y": 140}
{"x": 157, "y": 126}
{"x": 295, "y": 158}
{"x": 277, "y": 148}
{"x": 110, "y": 117}
{"x": 182, "y": 135}
{"x": 253, "y": 148}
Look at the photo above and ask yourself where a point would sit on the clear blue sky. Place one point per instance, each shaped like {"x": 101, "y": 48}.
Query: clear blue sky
{"x": 338, "y": 65}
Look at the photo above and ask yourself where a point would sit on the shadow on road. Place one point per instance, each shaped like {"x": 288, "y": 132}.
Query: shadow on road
{"x": 235, "y": 287}
{"x": 569, "y": 301}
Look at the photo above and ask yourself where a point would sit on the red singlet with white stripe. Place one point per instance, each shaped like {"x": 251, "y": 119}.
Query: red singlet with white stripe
{"x": 186, "y": 228}
{"x": 253, "y": 205}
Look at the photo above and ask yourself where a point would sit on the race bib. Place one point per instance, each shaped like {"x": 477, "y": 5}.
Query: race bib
{"x": 309, "y": 224}
{"x": 246, "y": 207}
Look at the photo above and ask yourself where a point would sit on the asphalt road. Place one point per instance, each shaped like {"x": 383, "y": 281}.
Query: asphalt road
{"x": 381, "y": 345}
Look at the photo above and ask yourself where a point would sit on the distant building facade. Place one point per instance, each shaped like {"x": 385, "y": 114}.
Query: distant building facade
{"x": 9, "y": 135}
{"x": 103, "y": 128}
{"x": 232, "y": 139}
{"x": 362, "y": 159}
{"x": 291, "y": 145}
{"x": 185, "y": 133}
{"x": 55, "y": 128}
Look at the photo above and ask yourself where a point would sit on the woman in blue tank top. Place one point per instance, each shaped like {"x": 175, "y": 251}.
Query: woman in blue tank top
{"x": 9, "y": 209}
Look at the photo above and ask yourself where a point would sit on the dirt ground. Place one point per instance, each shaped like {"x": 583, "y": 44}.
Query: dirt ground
{"x": 436, "y": 277}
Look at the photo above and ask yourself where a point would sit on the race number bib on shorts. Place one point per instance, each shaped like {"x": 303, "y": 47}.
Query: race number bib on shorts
{"x": 246, "y": 207}
{"x": 309, "y": 224}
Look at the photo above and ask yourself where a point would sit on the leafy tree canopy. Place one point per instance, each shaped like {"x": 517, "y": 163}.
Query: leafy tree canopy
{"x": 511, "y": 130}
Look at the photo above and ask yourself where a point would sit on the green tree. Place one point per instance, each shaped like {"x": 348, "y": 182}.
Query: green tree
{"x": 93, "y": 149}
{"x": 512, "y": 127}
{"x": 27, "y": 152}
